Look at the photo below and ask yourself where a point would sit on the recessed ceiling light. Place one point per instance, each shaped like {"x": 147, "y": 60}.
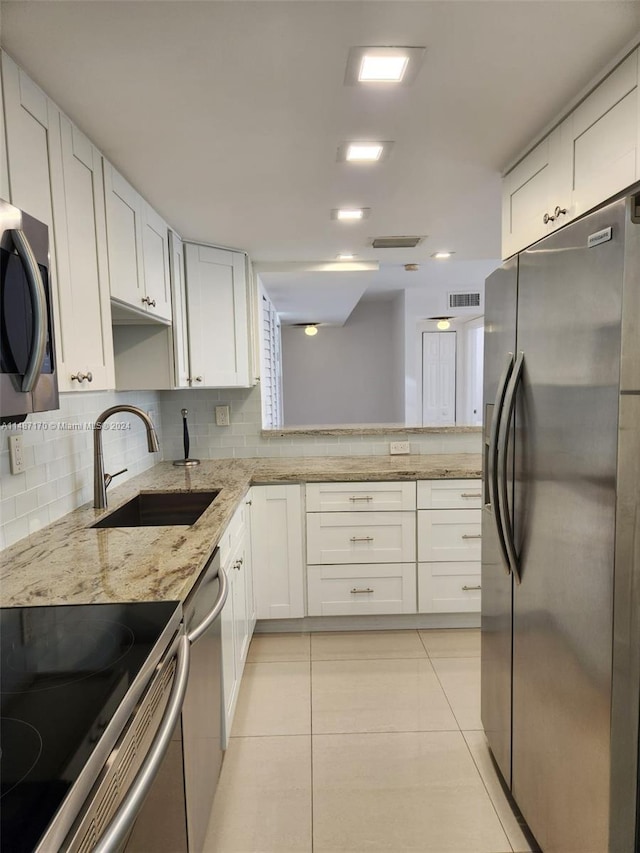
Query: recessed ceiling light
{"x": 311, "y": 330}
{"x": 346, "y": 256}
{"x": 382, "y": 69}
{"x": 443, "y": 324}
{"x": 440, "y": 256}
{"x": 363, "y": 151}
{"x": 383, "y": 65}
{"x": 350, "y": 214}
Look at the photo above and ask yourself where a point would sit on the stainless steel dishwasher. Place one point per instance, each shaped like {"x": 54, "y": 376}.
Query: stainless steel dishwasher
{"x": 175, "y": 815}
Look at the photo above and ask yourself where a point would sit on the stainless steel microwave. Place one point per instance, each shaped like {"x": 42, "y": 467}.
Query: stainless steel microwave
{"x": 28, "y": 381}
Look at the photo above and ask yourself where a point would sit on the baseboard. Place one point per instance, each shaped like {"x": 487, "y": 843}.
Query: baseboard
{"x": 369, "y": 623}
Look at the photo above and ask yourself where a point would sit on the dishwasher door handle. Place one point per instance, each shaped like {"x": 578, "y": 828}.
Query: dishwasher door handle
{"x": 122, "y": 821}
{"x": 216, "y": 610}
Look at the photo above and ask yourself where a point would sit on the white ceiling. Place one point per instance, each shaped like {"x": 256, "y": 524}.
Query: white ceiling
{"x": 227, "y": 115}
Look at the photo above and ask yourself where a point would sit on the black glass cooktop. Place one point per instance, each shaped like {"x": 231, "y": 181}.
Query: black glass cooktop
{"x": 63, "y": 672}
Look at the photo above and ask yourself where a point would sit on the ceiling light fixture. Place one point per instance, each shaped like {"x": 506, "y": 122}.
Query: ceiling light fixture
{"x": 412, "y": 267}
{"x": 376, "y": 68}
{"x": 441, "y": 256}
{"x": 346, "y": 256}
{"x": 311, "y": 329}
{"x": 350, "y": 214}
{"x": 443, "y": 322}
{"x": 364, "y": 153}
{"x": 383, "y": 66}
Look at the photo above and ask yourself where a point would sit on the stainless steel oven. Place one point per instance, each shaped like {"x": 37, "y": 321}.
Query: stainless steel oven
{"x": 28, "y": 381}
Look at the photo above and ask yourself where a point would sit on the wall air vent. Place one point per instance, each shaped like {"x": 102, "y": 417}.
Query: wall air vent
{"x": 396, "y": 242}
{"x": 464, "y": 300}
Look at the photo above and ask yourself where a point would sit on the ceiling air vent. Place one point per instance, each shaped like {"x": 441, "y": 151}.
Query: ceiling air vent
{"x": 464, "y": 300}
{"x": 396, "y": 242}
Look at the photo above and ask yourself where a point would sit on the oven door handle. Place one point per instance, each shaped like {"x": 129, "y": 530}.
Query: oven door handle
{"x": 216, "y": 610}
{"x": 39, "y": 302}
{"x": 119, "y": 826}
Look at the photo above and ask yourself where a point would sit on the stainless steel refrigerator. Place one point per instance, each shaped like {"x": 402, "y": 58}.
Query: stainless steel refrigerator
{"x": 561, "y": 531}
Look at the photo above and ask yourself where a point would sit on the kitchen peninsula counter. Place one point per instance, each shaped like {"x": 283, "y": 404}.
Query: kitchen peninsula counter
{"x": 69, "y": 562}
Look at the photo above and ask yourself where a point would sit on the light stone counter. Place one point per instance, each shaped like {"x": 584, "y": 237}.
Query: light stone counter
{"x": 70, "y": 563}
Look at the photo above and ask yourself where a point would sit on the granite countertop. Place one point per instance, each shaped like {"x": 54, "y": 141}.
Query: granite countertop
{"x": 70, "y": 563}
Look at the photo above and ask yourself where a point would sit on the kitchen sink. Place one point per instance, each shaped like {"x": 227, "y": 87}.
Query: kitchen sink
{"x": 150, "y": 509}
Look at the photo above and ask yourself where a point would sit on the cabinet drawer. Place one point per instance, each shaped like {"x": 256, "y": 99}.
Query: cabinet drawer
{"x": 449, "y": 534}
{"x": 448, "y": 587}
{"x": 352, "y": 537}
{"x": 350, "y": 590}
{"x": 449, "y": 494}
{"x": 360, "y": 497}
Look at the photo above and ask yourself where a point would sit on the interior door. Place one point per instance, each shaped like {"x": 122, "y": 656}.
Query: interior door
{"x": 439, "y": 378}
{"x": 569, "y": 312}
{"x": 501, "y": 293}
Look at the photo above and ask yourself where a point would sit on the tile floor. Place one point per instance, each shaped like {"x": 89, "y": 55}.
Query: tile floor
{"x": 361, "y": 742}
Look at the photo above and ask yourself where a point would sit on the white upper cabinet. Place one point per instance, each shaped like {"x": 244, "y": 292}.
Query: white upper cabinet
{"x": 4, "y": 168}
{"x": 217, "y": 317}
{"x": 138, "y": 249}
{"x": 54, "y": 174}
{"x": 592, "y": 155}
{"x": 600, "y": 140}
{"x": 179, "y": 311}
{"x": 85, "y": 345}
{"x": 531, "y": 192}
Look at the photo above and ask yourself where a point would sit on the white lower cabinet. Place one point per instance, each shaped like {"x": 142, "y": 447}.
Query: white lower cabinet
{"x": 449, "y": 546}
{"x": 361, "y": 548}
{"x": 238, "y": 615}
{"x": 276, "y": 549}
{"x": 348, "y": 590}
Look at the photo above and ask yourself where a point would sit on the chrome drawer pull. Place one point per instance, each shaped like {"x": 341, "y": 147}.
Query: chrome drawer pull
{"x": 362, "y": 538}
{"x": 361, "y": 498}
{"x": 471, "y": 495}
{"x": 466, "y": 588}
{"x": 355, "y": 591}
{"x": 472, "y": 535}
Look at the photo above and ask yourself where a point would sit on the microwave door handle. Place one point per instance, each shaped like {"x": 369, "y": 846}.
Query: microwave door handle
{"x": 503, "y": 449}
{"x": 39, "y": 302}
{"x": 493, "y": 458}
{"x": 195, "y": 635}
{"x": 116, "y": 832}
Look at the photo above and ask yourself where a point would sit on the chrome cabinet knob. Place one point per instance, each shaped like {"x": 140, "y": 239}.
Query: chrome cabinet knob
{"x": 198, "y": 378}
{"x": 559, "y": 211}
{"x": 146, "y": 300}
{"x": 547, "y": 218}
{"x": 80, "y": 376}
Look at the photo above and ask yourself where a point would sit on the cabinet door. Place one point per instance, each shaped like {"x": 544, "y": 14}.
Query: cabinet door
{"x": 276, "y": 547}
{"x": 360, "y": 497}
{"x": 240, "y": 616}
{"x": 450, "y": 587}
{"x": 123, "y": 208}
{"x": 180, "y": 332}
{"x": 449, "y": 534}
{"x": 248, "y": 566}
{"x": 230, "y": 678}
{"x": 218, "y": 322}
{"x": 532, "y": 189}
{"x": 601, "y": 138}
{"x": 83, "y": 331}
{"x": 155, "y": 250}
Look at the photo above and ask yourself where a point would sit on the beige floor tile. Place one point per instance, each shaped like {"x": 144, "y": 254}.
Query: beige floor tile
{"x": 275, "y": 699}
{"x": 477, "y": 743}
{"x": 263, "y": 801}
{"x": 279, "y": 647}
{"x": 416, "y": 791}
{"x": 460, "y": 679}
{"x": 366, "y": 645}
{"x": 378, "y": 696}
{"x": 462, "y": 643}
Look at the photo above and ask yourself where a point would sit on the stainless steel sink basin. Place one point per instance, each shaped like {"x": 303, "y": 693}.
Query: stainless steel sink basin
{"x": 149, "y": 509}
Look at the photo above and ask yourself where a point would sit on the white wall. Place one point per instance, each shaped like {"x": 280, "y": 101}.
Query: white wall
{"x": 344, "y": 374}
{"x": 58, "y": 451}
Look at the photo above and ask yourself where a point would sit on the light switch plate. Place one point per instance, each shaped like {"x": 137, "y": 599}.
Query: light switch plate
{"x": 16, "y": 454}
{"x": 223, "y": 417}
{"x": 397, "y": 448}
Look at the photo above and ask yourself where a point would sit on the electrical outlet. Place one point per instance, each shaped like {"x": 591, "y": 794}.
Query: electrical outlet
{"x": 398, "y": 447}
{"x": 16, "y": 454}
{"x": 223, "y": 417}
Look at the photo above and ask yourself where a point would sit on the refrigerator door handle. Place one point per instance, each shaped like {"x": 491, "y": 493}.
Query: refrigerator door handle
{"x": 503, "y": 480}
{"x": 494, "y": 495}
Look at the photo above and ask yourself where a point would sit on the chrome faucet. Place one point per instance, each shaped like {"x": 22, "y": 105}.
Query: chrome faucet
{"x": 100, "y": 479}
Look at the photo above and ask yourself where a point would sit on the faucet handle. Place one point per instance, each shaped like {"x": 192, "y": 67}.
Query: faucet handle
{"x": 109, "y": 477}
